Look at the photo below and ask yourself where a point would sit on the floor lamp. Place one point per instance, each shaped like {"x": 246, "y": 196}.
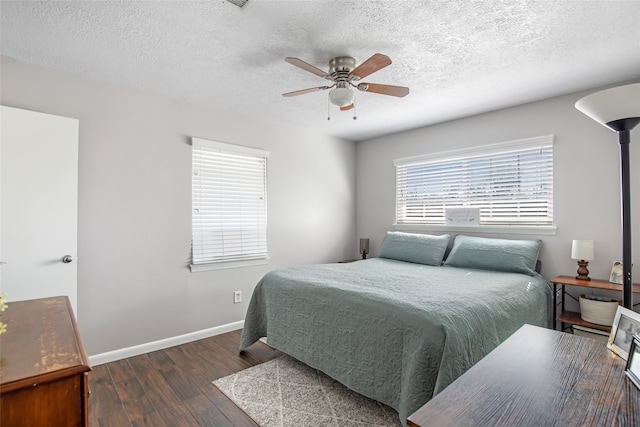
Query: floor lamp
{"x": 618, "y": 109}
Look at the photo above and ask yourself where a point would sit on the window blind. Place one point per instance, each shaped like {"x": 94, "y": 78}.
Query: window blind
{"x": 229, "y": 205}
{"x": 511, "y": 183}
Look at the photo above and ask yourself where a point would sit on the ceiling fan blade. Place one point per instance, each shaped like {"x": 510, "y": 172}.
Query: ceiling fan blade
{"x": 303, "y": 91}
{"x": 371, "y": 65}
{"x": 308, "y": 67}
{"x": 398, "y": 91}
{"x": 348, "y": 107}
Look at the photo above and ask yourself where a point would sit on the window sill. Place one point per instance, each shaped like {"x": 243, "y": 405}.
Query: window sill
{"x": 229, "y": 264}
{"x": 546, "y": 230}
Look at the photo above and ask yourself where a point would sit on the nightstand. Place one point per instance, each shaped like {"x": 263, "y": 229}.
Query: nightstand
{"x": 572, "y": 317}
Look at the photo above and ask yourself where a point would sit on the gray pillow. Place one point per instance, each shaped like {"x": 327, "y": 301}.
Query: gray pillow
{"x": 514, "y": 256}
{"x": 416, "y": 248}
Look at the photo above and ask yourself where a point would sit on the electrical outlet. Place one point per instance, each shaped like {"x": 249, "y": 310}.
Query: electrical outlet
{"x": 237, "y": 297}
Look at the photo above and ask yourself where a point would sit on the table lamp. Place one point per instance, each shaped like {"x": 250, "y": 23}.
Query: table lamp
{"x": 364, "y": 247}
{"x": 582, "y": 250}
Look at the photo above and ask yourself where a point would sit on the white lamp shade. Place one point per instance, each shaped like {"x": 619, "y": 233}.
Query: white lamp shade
{"x": 622, "y": 102}
{"x": 582, "y": 250}
{"x": 341, "y": 96}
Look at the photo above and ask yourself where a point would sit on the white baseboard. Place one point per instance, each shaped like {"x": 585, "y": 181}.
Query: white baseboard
{"x": 123, "y": 353}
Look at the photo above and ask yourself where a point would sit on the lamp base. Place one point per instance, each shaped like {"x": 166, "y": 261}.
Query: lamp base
{"x": 583, "y": 271}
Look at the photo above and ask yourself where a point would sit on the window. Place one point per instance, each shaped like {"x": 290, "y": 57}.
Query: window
{"x": 229, "y": 205}
{"x": 511, "y": 183}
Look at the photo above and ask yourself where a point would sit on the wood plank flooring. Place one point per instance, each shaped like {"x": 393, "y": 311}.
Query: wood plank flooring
{"x": 172, "y": 387}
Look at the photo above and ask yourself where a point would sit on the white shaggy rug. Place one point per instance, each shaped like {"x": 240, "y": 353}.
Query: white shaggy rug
{"x": 285, "y": 392}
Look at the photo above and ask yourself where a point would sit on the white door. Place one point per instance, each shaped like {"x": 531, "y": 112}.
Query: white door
{"x": 38, "y": 205}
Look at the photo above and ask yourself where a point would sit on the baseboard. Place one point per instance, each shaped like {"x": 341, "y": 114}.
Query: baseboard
{"x": 123, "y": 353}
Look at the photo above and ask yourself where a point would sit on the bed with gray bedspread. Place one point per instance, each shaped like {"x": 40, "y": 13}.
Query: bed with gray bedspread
{"x": 394, "y": 331}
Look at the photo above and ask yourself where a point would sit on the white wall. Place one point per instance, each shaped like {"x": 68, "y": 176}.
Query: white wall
{"x": 134, "y": 284}
{"x": 586, "y": 177}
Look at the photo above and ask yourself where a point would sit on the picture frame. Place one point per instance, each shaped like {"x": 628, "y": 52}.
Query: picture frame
{"x": 626, "y": 324}
{"x": 632, "y": 368}
{"x": 616, "y": 273}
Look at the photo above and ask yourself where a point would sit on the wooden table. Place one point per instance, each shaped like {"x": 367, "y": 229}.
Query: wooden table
{"x": 43, "y": 366}
{"x": 538, "y": 377}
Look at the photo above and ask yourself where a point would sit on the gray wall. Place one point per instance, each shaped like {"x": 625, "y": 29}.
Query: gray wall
{"x": 134, "y": 285}
{"x": 134, "y": 227}
{"x": 586, "y": 177}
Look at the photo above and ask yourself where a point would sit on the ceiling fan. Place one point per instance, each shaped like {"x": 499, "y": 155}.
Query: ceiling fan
{"x": 344, "y": 74}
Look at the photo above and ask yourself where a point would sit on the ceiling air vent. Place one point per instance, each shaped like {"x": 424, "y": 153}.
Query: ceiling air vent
{"x": 239, "y": 3}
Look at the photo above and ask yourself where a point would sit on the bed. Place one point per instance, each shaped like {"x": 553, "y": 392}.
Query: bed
{"x": 396, "y": 330}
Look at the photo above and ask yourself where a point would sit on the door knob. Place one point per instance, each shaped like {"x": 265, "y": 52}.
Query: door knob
{"x": 67, "y": 259}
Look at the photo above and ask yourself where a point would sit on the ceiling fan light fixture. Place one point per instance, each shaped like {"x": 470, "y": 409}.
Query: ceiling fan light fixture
{"x": 341, "y": 96}
{"x": 343, "y": 72}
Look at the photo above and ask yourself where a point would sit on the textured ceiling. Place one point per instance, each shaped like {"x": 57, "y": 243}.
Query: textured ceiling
{"x": 457, "y": 57}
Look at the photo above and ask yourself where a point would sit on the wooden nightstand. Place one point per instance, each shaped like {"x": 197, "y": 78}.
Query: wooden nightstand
{"x": 572, "y": 317}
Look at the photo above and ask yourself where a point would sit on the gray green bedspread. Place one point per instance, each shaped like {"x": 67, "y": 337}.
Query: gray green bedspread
{"x": 393, "y": 331}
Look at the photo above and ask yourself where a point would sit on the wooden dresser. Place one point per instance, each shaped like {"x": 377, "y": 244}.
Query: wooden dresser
{"x": 43, "y": 366}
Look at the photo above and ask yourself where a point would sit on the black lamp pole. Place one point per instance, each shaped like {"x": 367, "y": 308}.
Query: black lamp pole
{"x": 618, "y": 109}
{"x": 623, "y": 128}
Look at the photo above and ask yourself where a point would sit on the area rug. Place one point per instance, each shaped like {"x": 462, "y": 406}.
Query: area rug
{"x": 285, "y": 392}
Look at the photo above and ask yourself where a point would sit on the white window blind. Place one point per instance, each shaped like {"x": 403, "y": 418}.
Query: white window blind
{"x": 511, "y": 183}
{"x": 229, "y": 206}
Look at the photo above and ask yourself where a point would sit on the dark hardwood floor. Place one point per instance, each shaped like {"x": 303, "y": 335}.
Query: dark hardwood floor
{"x": 172, "y": 387}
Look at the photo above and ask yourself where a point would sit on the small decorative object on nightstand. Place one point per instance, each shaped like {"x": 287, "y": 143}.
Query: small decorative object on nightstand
{"x": 616, "y": 273}
{"x": 364, "y": 247}
{"x": 582, "y": 250}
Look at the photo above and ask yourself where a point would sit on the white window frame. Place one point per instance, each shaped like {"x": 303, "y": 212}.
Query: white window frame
{"x": 544, "y": 226}
{"x": 229, "y": 206}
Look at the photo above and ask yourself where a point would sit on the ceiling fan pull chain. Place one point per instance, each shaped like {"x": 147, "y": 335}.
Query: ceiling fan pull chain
{"x": 328, "y": 109}
{"x": 354, "y": 106}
